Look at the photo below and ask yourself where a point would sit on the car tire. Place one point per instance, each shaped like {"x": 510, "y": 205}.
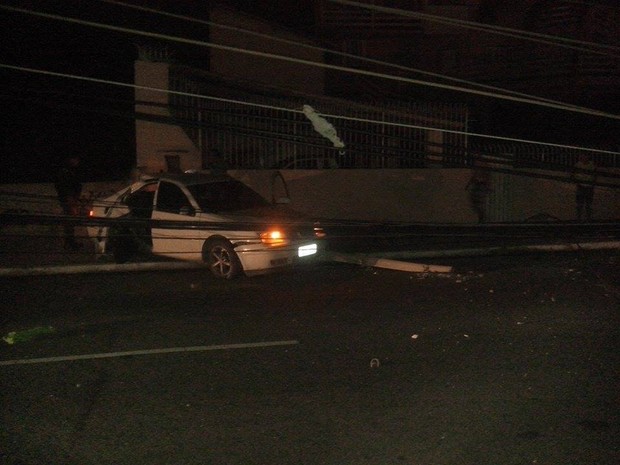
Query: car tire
{"x": 222, "y": 259}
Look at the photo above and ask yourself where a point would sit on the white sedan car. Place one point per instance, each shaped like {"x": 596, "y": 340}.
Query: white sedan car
{"x": 203, "y": 217}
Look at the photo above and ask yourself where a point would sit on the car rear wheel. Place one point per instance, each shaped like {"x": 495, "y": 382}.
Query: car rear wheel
{"x": 222, "y": 259}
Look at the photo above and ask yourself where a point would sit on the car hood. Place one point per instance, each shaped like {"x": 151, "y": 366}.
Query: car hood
{"x": 265, "y": 216}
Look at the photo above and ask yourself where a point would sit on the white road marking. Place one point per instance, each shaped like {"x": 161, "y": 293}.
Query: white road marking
{"x": 70, "y": 358}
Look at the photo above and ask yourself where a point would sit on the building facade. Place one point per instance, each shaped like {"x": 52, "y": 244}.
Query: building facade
{"x": 247, "y": 104}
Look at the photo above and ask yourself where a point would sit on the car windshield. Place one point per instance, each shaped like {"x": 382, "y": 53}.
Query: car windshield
{"x": 226, "y": 196}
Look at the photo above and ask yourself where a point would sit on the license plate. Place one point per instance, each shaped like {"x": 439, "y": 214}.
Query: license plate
{"x": 306, "y": 250}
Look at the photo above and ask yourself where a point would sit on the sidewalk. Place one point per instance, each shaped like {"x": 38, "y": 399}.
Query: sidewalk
{"x": 24, "y": 246}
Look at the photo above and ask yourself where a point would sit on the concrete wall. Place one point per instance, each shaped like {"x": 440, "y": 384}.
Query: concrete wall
{"x": 431, "y": 195}
{"x": 377, "y": 195}
{"x": 41, "y": 197}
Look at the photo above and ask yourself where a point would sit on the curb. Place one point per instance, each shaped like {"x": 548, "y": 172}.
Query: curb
{"x": 109, "y": 268}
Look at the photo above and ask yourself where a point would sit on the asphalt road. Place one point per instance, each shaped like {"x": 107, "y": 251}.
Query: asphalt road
{"x": 509, "y": 360}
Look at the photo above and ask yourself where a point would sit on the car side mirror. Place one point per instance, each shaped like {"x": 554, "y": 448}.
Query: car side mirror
{"x": 187, "y": 211}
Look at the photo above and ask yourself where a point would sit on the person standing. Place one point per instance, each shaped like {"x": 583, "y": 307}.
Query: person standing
{"x": 584, "y": 175}
{"x": 479, "y": 187}
{"x": 68, "y": 189}
{"x": 216, "y": 162}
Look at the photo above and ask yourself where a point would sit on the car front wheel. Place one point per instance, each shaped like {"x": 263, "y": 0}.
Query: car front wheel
{"x": 222, "y": 259}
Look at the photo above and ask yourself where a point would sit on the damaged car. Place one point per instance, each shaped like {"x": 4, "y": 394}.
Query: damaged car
{"x": 203, "y": 217}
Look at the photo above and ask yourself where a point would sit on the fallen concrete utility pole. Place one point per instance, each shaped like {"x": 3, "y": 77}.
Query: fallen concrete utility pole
{"x": 397, "y": 265}
{"x": 484, "y": 251}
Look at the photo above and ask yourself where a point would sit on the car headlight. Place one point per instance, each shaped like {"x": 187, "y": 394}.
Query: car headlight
{"x": 274, "y": 238}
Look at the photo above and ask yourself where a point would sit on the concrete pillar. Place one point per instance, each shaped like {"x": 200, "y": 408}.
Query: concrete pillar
{"x": 159, "y": 143}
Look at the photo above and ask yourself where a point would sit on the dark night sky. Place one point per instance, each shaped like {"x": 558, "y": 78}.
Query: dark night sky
{"x": 48, "y": 117}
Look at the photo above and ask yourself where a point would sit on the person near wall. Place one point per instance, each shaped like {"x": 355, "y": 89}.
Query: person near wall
{"x": 68, "y": 189}
{"x": 479, "y": 188}
{"x": 584, "y": 176}
{"x": 216, "y": 162}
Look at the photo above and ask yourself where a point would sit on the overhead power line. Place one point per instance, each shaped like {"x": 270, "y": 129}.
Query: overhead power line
{"x": 592, "y": 47}
{"x": 273, "y": 107}
{"x": 274, "y": 56}
{"x": 580, "y": 2}
{"x": 333, "y": 52}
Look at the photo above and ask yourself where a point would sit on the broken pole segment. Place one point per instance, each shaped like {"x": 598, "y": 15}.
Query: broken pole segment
{"x": 363, "y": 260}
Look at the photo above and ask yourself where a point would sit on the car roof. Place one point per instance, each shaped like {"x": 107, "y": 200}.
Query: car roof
{"x": 189, "y": 179}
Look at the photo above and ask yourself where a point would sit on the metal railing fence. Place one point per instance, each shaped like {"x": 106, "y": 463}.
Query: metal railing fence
{"x": 268, "y": 129}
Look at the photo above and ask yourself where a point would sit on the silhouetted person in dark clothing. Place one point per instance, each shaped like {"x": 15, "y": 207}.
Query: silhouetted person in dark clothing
{"x": 216, "y": 162}
{"x": 69, "y": 189}
{"x": 584, "y": 176}
{"x": 479, "y": 187}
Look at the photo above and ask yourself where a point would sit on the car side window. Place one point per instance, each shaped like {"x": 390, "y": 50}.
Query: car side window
{"x": 171, "y": 199}
{"x": 140, "y": 202}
